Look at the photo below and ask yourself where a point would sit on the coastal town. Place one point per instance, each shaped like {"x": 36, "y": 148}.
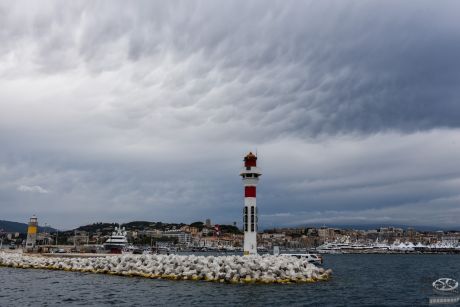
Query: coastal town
{"x": 206, "y": 236}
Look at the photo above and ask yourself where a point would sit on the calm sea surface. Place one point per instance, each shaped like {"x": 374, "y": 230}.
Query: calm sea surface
{"x": 358, "y": 280}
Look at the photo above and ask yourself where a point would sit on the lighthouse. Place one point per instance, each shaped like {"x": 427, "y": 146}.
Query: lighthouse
{"x": 32, "y": 234}
{"x": 250, "y": 174}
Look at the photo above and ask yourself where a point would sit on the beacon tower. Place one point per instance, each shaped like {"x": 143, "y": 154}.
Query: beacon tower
{"x": 250, "y": 174}
{"x": 32, "y": 233}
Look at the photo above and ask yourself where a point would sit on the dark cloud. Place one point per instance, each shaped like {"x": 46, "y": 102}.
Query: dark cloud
{"x": 127, "y": 110}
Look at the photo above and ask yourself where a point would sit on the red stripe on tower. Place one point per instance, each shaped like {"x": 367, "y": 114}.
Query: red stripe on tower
{"x": 250, "y": 191}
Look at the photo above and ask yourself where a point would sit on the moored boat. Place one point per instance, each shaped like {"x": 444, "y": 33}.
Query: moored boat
{"x": 310, "y": 258}
{"x": 117, "y": 241}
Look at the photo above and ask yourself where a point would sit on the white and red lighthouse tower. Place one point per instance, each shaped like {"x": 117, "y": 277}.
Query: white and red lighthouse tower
{"x": 250, "y": 174}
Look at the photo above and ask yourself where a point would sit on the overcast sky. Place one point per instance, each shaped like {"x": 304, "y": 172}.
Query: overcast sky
{"x": 143, "y": 110}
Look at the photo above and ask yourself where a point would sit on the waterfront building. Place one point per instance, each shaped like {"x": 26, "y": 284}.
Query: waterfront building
{"x": 182, "y": 237}
{"x": 250, "y": 175}
{"x": 450, "y": 239}
{"x": 32, "y": 230}
{"x": 80, "y": 237}
{"x": 190, "y": 229}
{"x": 327, "y": 234}
{"x": 206, "y": 231}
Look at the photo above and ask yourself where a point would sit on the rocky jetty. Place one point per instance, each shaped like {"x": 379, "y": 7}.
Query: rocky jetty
{"x": 230, "y": 269}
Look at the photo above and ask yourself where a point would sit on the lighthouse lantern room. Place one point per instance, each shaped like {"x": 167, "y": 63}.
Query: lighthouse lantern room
{"x": 250, "y": 174}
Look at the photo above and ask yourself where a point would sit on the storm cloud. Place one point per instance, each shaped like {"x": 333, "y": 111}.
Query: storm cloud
{"x": 144, "y": 110}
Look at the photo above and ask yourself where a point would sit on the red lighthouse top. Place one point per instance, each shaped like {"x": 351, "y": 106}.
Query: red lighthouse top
{"x": 250, "y": 160}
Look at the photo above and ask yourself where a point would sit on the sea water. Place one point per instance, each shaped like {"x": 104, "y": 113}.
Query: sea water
{"x": 359, "y": 280}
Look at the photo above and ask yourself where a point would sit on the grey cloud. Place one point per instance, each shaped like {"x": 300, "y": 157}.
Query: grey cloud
{"x": 411, "y": 214}
{"x": 128, "y": 110}
{"x": 34, "y": 188}
{"x": 308, "y": 69}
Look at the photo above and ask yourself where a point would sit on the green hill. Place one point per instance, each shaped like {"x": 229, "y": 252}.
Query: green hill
{"x": 8, "y": 226}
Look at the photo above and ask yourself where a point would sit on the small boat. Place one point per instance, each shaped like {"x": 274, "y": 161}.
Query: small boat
{"x": 310, "y": 258}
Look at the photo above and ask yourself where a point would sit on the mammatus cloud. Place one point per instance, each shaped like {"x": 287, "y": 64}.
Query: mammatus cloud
{"x": 34, "y": 188}
{"x": 144, "y": 110}
{"x": 278, "y": 69}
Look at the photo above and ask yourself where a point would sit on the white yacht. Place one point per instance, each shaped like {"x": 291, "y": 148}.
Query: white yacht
{"x": 117, "y": 241}
{"x": 334, "y": 247}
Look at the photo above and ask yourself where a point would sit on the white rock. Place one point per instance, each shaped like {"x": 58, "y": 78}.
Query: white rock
{"x": 265, "y": 268}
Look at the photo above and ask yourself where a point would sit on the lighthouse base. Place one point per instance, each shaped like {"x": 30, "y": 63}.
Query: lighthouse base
{"x": 250, "y": 243}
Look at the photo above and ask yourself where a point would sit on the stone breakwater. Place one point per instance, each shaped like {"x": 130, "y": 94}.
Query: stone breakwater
{"x": 231, "y": 269}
